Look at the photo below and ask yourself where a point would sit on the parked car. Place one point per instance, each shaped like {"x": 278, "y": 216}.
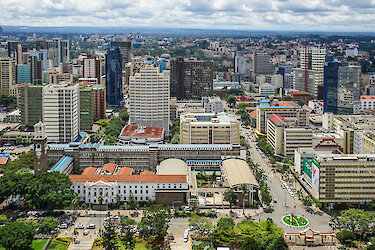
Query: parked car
{"x": 86, "y": 232}
{"x": 63, "y": 226}
{"x": 91, "y": 226}
{"x": 80, "y": 226}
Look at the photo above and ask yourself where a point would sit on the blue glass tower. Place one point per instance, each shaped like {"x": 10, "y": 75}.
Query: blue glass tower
{"x": 114, "y": 92}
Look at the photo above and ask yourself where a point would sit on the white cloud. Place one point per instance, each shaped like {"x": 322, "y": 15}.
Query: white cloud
{"x": 350, "y": 15}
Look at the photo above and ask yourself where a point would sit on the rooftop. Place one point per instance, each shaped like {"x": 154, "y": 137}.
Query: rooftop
{"x": 238, "y": 173}
{"x": 172, "y": 167}
{"x": 276, "y": 118}
{"x": 367, "y": 97}
{"x": 135, "y": 130}
{"x": 62, "y": 164}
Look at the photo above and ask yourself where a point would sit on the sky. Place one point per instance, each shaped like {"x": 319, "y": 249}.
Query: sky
{"x": 309, "y": 15}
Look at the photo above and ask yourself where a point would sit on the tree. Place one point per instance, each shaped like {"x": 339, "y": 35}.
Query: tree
{"x": 3, "y": 219}
{"x": 354, "y": 218}
{"x": 280, "y": 244}
{"x": 109, "y": 235}
{"x": 244, "y": 190}
{"x": 175, "y": 139}
{"x": 250, "y": 244}
{"x": 155, "y": 224}
{"x": 346, "y": 237}
{"x": 47, "y": 224}
{"x": 266, "y": 196}
{"x": 225, "y": 224}
{"x": 132, "y": 202}
{"x": 17, "y": 235}
{"x": 200, "y": 223}
{"x": 127, "y": 227}
{"x": 49, "y": 191}
{"x": 243, "y": 105}
{"x": 231, "y": 100}
{"x": 231, "y": 197}
{"x": 124, "y": 115}
{"x": 118, "y": 199}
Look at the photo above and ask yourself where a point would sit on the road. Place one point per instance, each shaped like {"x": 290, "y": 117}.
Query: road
{"x": 317, "y": 222}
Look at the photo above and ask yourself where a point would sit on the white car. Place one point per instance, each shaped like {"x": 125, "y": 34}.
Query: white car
{"x": 80, "y": 226}
{"x": 86, "y": 232}
{"x": 63, "y": 226}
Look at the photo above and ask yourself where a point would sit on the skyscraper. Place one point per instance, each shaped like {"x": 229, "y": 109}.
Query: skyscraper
{"x": 191, "y": 78}
{"x": 91, "y": 68}
{"x": 30, "y": 104}
{"x": 58, "y": 51}
{"x": 149, "y": 98}
{"x": 61, "y": 112}
{"x": 114, "y": 91}
{"x": 310, "y": 76}
{"x": 342, "y": 88}
{"x": 7, "y": 75}
{"x": 262, "y": 64}
{"x": 125, "y": 48}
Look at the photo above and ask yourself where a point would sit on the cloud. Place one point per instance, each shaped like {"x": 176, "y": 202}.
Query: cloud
{"x": 342, "y": 15}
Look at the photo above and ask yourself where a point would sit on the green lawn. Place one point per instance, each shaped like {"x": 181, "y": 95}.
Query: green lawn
{"x": 298, "y": 221}
{"x": 38, "y": 244}
{"x": 59, "y": 245}
{"x": 138, "y": 246}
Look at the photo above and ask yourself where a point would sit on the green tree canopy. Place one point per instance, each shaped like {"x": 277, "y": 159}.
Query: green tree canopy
{"x": 47, "y": 224}
{"x": 346, "y": 237}
{"x": 17, "y": 235}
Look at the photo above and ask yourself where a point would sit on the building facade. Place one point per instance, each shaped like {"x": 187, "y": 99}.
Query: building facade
{"x": 58, "y": 51}
{"x": 208, "y": 128}
{"x": 149, "y": 98}
{"x": 191, "y": 79}
{"x": 30, "y": 104}
{"x": 342, "y": 89}
{"x": 114, "y": 91}
{"x": 8, "y": 75}
{"x": 61, "y": 112}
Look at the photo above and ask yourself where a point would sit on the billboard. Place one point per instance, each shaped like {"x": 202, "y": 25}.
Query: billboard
{"x": 315, "y": 178}
{"x": 306, "y": 167}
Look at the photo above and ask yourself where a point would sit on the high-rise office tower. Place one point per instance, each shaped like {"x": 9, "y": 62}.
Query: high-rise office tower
{"x": 125, "y": 48}
{"x": 23, "y": 73}
{"x": 13, "y": 50}
{"x": 342, "y": 88}
{"x": 262, "y": 64}
{"x": 61, "y": 112}
{"x": 310, "y": 76}
{"x": 8, "y": 76}
{"x": 40, "y": 55}
{"x": 149, "y": 98}
{"x": 114, "y": 91}
{"x": 58, "y": 51}
{"x": 85, "y": 109}
{"x": 91, "y": 68}
{"x": 191, "y": 79}
{"x": 99, "y": 103}
{"x": 30, "y": 104}
{"x": 30, "y": 72}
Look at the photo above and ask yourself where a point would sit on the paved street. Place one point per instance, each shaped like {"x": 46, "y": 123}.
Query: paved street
{"x": 317, "y": 222}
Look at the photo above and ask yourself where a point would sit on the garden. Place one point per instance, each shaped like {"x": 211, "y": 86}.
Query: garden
{"x": 295, "y": 221}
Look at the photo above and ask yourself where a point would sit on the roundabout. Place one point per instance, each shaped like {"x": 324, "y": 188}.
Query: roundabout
{"x": 296, "y": 221}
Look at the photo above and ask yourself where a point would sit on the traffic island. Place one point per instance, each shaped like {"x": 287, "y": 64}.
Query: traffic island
{"x": 295, "y": 221}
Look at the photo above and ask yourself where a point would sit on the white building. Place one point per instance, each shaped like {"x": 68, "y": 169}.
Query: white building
{"x": 367, "y": 102}
{"x": 61, "y": 112}
{"x": 110, "y": 180}
{"x": 149, "y": 93}
{"x": 90, "y": 68}
{"x": 212, "y": 105}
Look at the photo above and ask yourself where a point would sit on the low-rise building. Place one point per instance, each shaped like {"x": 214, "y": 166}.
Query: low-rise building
{"x": 209, "y": 128}
{"x": 110, "y": 180}
{"x": 367, "y": 102}
{"x": 212, "y": 105}
{"x": 134, "y": 134}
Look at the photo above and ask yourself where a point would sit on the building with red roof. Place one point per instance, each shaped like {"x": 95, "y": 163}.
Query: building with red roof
{"x": 367, "y": 102}
{"x": 299, "y": 95}
{"x": 111, "y": 179}
{"x": 134, "y": 134}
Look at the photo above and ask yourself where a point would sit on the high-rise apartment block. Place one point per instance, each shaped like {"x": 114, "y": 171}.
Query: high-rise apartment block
{"x": 114, "y": 91}
{"x": 8, "y": 75}
{"x": 342, "y": 89}
{"x": 191, "y": 79}
{"x": 61, "y": 112}
{"x": 30, "y": 104}
{"x": 149, "y": 98}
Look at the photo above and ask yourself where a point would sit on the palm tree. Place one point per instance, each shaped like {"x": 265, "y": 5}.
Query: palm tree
{"x": 100, "y": 199}
{"x": 118, "y": 160}
{"x": 231, "y": 197}
{"x": 244, "y": 190}
{"x": 118, "y": 199}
